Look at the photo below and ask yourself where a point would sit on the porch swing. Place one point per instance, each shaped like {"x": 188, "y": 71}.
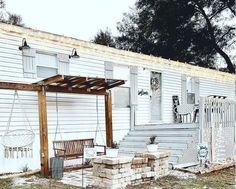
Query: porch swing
{"x": 74, "y": 149}
{"x": 18, "y": 142}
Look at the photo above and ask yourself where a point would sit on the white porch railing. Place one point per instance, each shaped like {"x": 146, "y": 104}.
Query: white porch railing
{"x": 217, "y": 121}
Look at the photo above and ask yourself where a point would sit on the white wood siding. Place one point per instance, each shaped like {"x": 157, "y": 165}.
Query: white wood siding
{"x": 171, "y": 85}
{"x": 211, "y": 86}
{"x": 143, "y": 108}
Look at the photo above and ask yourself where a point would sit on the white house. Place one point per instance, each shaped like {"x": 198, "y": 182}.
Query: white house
{"x": 144, "y": 101}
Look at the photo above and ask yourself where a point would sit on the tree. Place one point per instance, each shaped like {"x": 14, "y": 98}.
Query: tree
{"x": 104, "y": 38}
{"x": 186, "y": 30}
{"x": 7, "y": 17}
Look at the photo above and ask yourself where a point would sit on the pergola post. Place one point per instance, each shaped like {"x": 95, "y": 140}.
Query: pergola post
{"x": 43, "y": 132}
{"x": 108, "y": 114}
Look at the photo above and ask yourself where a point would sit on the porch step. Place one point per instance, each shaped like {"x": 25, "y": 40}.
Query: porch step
{"x": 161, "y": 138}
{"x": 162, "y": 132}
{"x": 176, "y": 138}
{"x": 164, "y": 144}
{"x": 130, "y": 150}
{"x": 166, "y": 126}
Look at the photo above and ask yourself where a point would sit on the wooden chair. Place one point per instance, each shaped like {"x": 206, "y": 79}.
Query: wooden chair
{"x": 73, "y": 149}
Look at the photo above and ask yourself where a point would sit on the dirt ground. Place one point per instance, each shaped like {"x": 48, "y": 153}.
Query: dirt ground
{"x": 224, "y": 179}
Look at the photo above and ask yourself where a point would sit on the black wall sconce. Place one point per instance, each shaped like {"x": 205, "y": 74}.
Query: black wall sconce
{"x": 74, "y": 54}
{"x": 24, "y": 45}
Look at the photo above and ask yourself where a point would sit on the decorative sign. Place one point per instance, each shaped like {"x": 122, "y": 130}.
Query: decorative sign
{"x": 202, "y": 151}
{"x": 89, "y": 153}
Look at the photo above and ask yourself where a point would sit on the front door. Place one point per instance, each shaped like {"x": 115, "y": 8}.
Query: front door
{"x": 155, "y": 96}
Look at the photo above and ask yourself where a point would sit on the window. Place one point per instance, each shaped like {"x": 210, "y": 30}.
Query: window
{"x": 46, "y": 65}
{"x": 190, "y": 89}
{"x": 121, "y": 97}
{"x": 43, "y": 64}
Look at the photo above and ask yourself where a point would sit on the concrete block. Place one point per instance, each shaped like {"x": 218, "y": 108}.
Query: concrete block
{"x": 125, "y": 160}
{"x": 137, "y": 160}
{"x": 97, "y": 160}
{"x": 110, "y": 161}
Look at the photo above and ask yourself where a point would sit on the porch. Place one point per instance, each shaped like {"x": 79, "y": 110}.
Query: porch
{"x": 212, "y": 123}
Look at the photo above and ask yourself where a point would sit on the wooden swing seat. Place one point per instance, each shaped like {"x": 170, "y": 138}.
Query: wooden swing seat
{"x": 73, "y": 149}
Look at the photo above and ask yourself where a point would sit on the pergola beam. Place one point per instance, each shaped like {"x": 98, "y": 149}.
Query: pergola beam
{"x": 54, "y": 79}
{"x": 20, "y": 86}
{"x": 78, "y": 82}
{"x": 74, "y": 90}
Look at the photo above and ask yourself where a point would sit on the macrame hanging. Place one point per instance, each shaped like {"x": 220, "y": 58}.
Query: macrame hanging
{"x": 18, "y": 143}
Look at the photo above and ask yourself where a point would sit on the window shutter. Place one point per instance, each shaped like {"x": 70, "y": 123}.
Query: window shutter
{"x": 196, "y": 90}
{"x": 183, "y": 89}
{"x": 134, "y": 85}
{"x": 29, "y": 65}
{"x": 63, "y": 64}
{"x": 109, "y": 70}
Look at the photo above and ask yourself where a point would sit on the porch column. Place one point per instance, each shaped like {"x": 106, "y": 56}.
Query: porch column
{"x": 43, "y": 132}
{"x": 108, "y": 114}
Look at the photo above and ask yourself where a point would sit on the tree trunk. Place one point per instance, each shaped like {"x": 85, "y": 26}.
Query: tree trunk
{"x": 229, "y": 63}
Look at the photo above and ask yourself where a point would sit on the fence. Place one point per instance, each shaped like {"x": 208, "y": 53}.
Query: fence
{"x": 217, "y": 119}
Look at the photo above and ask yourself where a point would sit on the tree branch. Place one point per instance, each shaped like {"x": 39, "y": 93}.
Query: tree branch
{"x": 230, "y": 65}
{"x": 217, "y": 12}
{"x": 226, "y": 33}
{"x": 231, "y": 10}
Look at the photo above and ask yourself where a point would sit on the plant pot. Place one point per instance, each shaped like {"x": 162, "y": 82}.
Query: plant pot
{"x": 152, "y": 147}
{"x": 112, "y": 152}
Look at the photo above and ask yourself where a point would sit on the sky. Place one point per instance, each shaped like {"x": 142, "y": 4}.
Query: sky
{"x": 81, "y": 19}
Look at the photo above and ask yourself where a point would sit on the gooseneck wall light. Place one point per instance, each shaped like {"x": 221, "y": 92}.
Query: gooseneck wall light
{"x": 74, "y": 54}
{"x": 24, "y": 45}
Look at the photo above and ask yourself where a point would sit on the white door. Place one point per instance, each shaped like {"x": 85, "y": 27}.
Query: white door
{"x": 155, "y": 96}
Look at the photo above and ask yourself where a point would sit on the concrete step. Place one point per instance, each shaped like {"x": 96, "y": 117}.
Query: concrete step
{"x": 158, "y": 139}
{"x": 182, "y": 145}
{"x": 172, "y": 137}
{"x": 161, "y": 132}
{"x": 172, "y": 151}
{"x": 166, "y": 126}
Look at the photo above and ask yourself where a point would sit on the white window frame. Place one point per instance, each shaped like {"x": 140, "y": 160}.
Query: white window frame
{"x": 126, "y": 85}
{"x": 115, "y": 104}
{"x": 194, "y": 89}
{"x": 46, "y": 66}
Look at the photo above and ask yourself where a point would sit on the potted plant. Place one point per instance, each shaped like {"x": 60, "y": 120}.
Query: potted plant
{"x": 152, "y": 145}
{"x": 113, "y": 151}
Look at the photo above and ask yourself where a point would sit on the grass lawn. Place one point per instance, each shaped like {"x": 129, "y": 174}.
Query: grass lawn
{"x": 224, "y": 179}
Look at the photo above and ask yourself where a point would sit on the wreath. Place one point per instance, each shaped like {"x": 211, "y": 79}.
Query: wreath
{"x": 155, "y": 83}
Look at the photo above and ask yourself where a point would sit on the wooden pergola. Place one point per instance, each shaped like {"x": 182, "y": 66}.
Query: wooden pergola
{"x": 66, "y": 84}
